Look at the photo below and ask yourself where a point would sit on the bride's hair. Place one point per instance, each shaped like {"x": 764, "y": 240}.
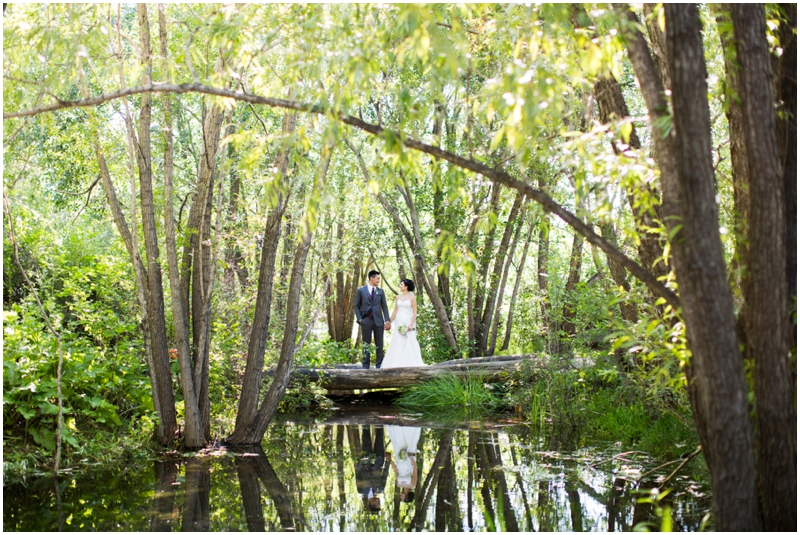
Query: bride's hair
{"x": 409, "y": 284}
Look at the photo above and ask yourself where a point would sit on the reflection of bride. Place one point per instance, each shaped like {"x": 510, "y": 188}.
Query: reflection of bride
{"x": 404, "y": 463}
{"x": 404, "y": 349}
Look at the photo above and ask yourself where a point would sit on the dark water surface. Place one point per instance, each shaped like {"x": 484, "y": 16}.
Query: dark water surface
{"x": 362, "y": 470}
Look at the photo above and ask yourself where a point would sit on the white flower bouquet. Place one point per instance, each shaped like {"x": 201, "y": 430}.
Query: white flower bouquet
{"x": 402, "y": 329}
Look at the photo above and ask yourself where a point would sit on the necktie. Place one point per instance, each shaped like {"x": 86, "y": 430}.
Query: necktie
{"x": 372, "y": 295}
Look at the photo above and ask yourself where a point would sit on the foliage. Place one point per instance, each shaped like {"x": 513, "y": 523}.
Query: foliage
{"x": 85, "y": 286}
{"x": 594, "y": 396}
{"x": 317, "y": 353}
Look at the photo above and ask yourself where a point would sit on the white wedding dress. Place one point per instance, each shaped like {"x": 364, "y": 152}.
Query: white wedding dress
{"x": 404, "y": 439}
{"x": 404, "y": 349}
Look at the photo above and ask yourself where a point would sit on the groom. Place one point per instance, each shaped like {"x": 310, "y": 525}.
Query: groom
{"x": 372, "y": 313}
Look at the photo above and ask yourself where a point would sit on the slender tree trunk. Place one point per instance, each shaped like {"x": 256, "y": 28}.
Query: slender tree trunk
{"x": 129, "y": 236}
{"x": 251, "y": 384}
{"x": 497, "y": 280}
{"x": 520, "y": 271}
{"x": 481, "y": 278}
{"x": 717, "y": 388}
{"x": 503, "y": 281}
{"x": 440, "y": 215}
{"x": 573, "y": 277}
{"x": 193, "y": 431}
{"x": 627, "y": 309}
{"x": 550, "y": 327}
{"x": 737, "y": 145}
{"x": 168, "y": 425}
{"x": 341, "y": 295}
{"x": 202, "y": 268}
{"x": 252, "y": 432}
{"x": 765, "y": 289}
{"x": 398, "y": 249}
{"x": 235, "y": 224}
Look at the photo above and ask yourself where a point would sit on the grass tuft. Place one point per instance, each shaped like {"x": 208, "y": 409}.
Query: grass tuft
{"x": 470, "y": 395}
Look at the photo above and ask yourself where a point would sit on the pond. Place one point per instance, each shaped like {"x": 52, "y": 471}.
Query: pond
{"x": 366, "y": 468}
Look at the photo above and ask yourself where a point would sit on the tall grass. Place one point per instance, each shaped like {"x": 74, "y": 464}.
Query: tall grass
{"x": 449, "y": 394}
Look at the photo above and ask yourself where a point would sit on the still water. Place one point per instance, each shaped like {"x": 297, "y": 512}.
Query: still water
{"x": 364, "y": 469}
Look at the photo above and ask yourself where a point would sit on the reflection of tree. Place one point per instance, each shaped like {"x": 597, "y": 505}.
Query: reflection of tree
{"x": 487, "y": 455}
{"x": 247, "y": 471}
{"x": 340, "y": 430}
{"x": 196, "y": 497}
{"x": 545, "y": 509}
{"x": 276, "y": 490}
{"x": 432, "y": 479}
{"x": 521, "y": 487}
{"x": 575, "y": 509}
{"x": 252, "y": 467}
{"x": 448, "y": 514}
{"x": 162, "y": 517}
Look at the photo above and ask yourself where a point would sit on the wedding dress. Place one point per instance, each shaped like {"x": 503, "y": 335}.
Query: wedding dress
{"x": 404, "y": 349}
{"x": 404, "y": 442}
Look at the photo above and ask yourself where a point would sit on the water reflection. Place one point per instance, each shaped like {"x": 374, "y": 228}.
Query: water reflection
{"x": 352, "y": 476}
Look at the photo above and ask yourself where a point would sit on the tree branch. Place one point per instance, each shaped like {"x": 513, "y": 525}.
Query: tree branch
{"x": 495, "y": 175}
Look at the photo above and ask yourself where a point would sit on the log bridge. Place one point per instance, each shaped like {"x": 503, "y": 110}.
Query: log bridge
{"x": 348, "y": 377}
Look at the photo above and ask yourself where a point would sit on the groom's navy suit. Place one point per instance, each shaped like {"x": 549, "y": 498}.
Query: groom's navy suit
{"x": 372, "y": 312}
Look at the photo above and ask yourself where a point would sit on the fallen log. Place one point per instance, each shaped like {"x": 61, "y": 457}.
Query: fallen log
{"x": 490, "y": 371}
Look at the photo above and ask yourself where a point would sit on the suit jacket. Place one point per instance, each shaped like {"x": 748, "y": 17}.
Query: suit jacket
{"x": 380, "y": 310}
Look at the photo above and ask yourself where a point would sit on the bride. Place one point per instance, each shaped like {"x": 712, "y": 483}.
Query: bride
{"x": 404, "y": 349}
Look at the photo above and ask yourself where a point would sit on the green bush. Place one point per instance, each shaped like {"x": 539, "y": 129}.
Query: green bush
{"x": 317, "y": 353}
{"x": 604, "y": 404}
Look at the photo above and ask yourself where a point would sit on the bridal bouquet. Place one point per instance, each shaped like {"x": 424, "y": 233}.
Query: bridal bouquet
{"x": 402, "y": 329}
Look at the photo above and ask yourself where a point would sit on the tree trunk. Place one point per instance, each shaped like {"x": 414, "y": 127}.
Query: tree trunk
{"x": 168, "y": 424}
{"x": 788, "y": 139}
{"x": 717, "y": 388}
{"x": 440, "y": 216}
{"x": 574, "y": 276}
{"x": 252, "y": 432}
{"x": 658, "y": 43}
{"x": 737, "y": 145}
{"x": 398, "y": 250}
{"x": 235, "y": 263}
{"x": 626, "y": 308}
{"x": 342, "y": 294}
{"x": 251, "y": 384}
{"x": 612, "y": 105}
{"x": 549, "y": 326}
{"x": 202, "y": 268}
{"x": 193, "y": 430}
{"x": 766, "y": 289}
{"x": 520, "y": 271}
